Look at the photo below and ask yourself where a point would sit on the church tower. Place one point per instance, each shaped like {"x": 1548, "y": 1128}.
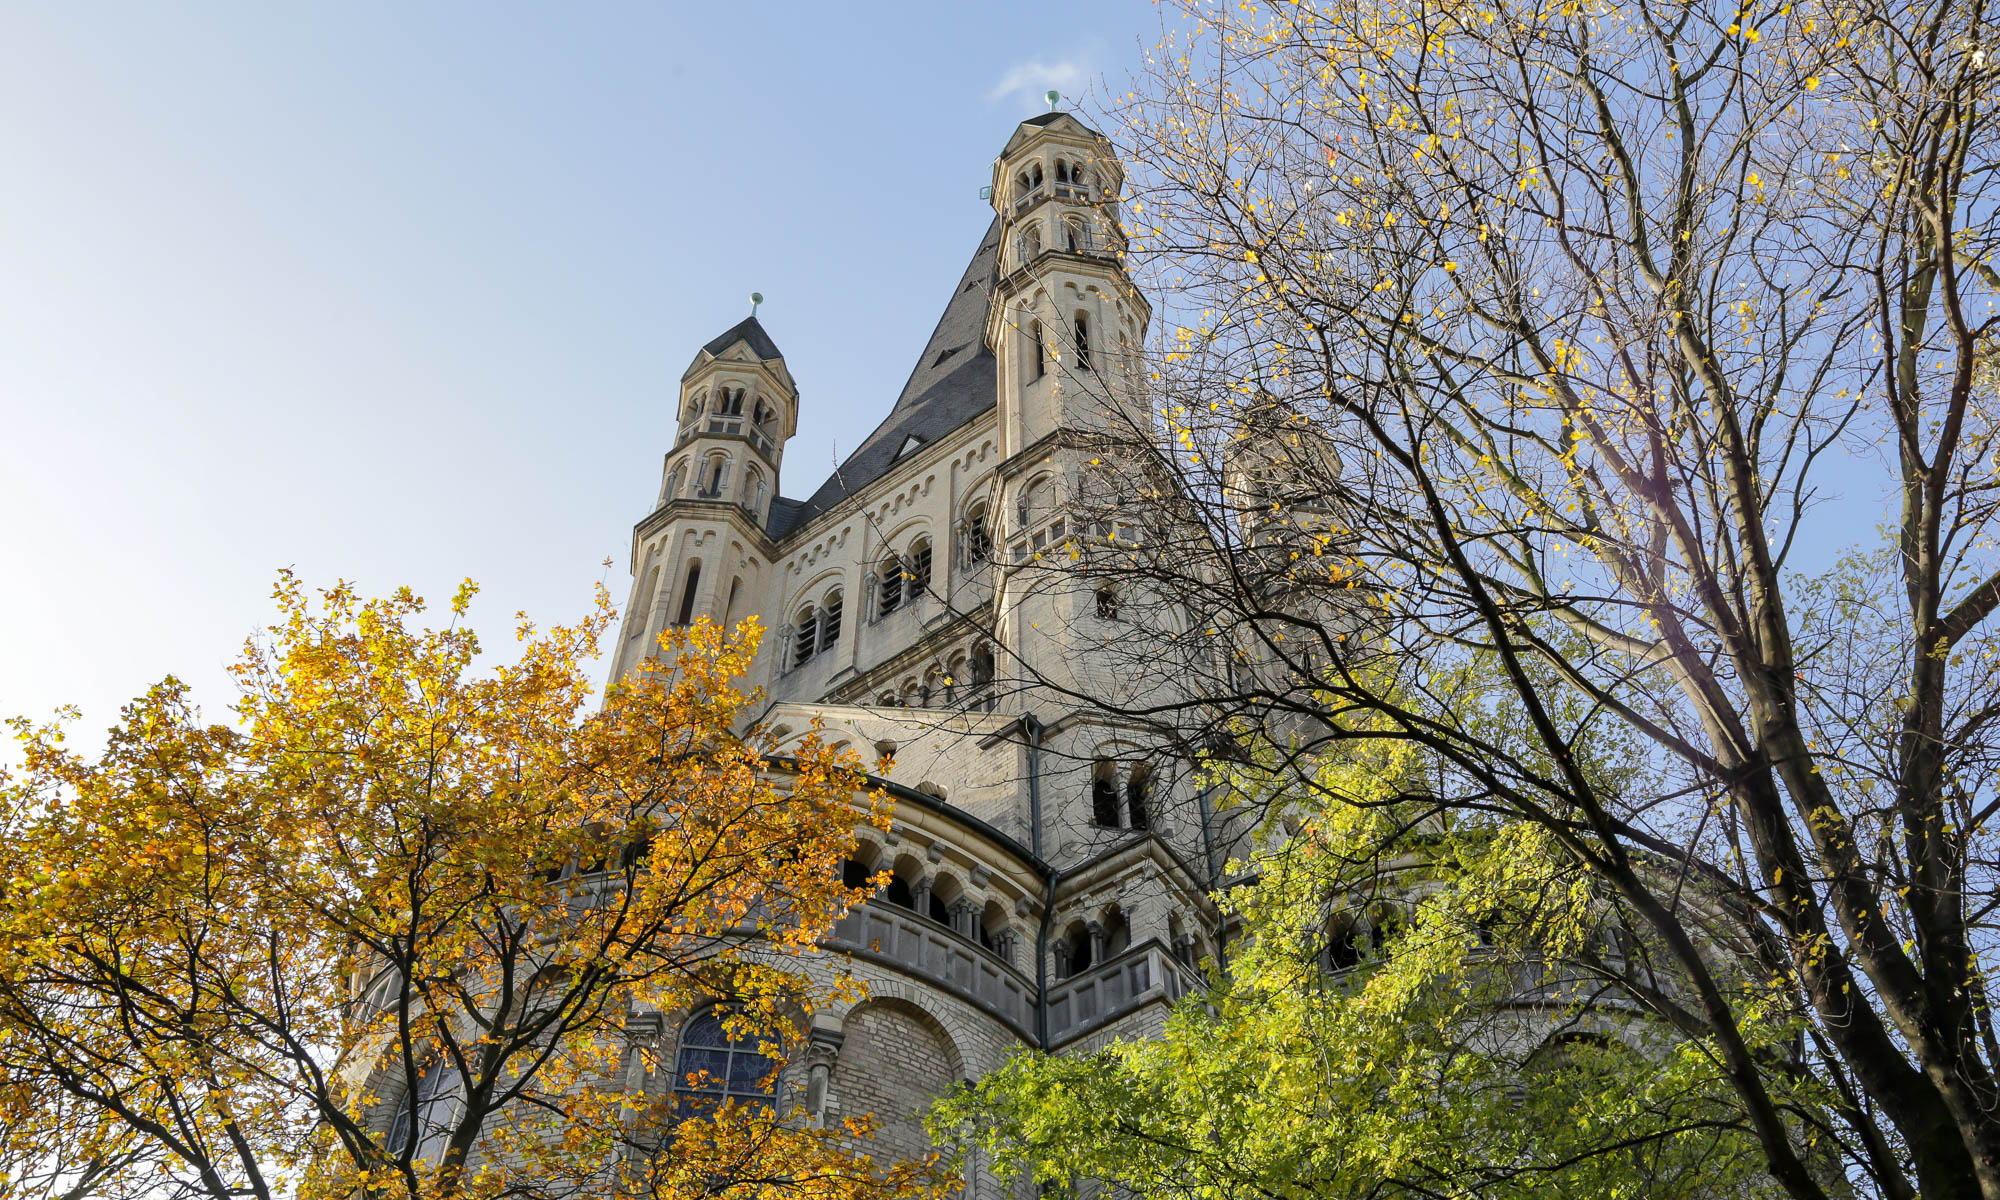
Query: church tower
{"x": 1066, "y": 323}
{"x": 1066, "y": 327}
{"x": 699, "y": 553}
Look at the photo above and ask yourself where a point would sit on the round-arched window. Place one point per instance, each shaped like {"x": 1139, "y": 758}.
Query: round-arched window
{"x": 437, "y": 1106}
{"x": 714, "y": 1067}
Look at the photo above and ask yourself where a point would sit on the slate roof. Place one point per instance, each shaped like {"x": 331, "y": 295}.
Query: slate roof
{"x": 750, "y": 330}
{"x": 955, "y": 380}
{"x": 1050, "y": 118}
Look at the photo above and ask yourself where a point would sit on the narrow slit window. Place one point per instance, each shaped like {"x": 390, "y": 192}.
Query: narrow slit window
{"x": 687, "y": 594}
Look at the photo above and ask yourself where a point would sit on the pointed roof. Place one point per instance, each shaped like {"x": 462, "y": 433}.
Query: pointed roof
{"x": 956, "y": 379}
{"x": 1046, "y": 120}
{"x": 748, "y": 331}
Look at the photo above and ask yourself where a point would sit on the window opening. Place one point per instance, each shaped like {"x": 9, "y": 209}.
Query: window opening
{"x": 1137, "y": 785}
{"x": 687, "y": 594}
{"x": 853, "y": 874}
{"x": 437, "y": 1108}
{"x": 1041, "y": 349}
{"x": 917, "y": 570}
{"x": 978, "y": 542}
{"x": 1107, "y": 604}
{"x": 1103, "y": 796}
{"x": 1082, "y": 342}
{"x": 890, "y": 587}
{"x": 829, "y": 621}
{"x": 714, "y": 1067}
{"x": 805, "y": 636}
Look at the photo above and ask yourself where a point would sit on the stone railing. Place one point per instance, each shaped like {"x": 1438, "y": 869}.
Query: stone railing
{"x": 1096, "y": 995}
{"x": 922, "y": 947}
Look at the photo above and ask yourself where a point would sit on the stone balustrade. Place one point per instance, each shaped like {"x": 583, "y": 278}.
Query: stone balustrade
{"x": 1099, "y": 994}
{"x": 897, "y": 937}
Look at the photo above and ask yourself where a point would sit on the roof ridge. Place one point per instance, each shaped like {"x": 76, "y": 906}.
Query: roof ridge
{"x": 943, "y": 390}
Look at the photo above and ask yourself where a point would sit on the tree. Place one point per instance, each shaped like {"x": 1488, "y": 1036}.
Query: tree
{"x": 1416, "y": 1010}
{"x": 1540, "y": 339}
{"x": 401, "y": 929}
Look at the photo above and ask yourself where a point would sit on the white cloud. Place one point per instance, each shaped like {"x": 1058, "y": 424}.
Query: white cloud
{"x": 1028, "y": 80}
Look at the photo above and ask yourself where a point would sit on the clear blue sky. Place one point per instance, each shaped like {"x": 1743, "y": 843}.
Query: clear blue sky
{"x": 401, "y": 293}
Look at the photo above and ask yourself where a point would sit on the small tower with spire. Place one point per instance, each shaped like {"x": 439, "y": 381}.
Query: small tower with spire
{"x": 696, "y": 555}
{"x": 1066, "y": 322}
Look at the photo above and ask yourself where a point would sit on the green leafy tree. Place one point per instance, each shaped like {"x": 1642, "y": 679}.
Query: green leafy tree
{"x": 1417, "y": 1007}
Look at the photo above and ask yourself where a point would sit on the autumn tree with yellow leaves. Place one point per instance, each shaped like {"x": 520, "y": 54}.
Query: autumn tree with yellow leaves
{"x": 400, "y": 930}
{"x": 1623, "y": 374}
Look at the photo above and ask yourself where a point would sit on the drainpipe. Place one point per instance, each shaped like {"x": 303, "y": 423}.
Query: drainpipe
{"x": 1033, "y": 729}
{"x": 1214, "y": 868}
{"x": 1208, "y": 836}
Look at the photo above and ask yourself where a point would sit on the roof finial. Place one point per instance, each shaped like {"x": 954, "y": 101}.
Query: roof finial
{"x": 756, "y": 298}
{"x": 1054, "y": 98}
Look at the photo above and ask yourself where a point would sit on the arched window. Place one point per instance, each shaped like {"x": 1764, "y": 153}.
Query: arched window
{"x": 436, "y": 1107}
{"x": 687, "y": 594}
{"x": 1103, "y": 795}
{"x": 829, "y": 620}
{"x": 1035, "y": 175}
{"x": 978, "y": 544}
{"x": 676, "y": 481}
{"x": 917, "y": 569}
{"x": 944, "y": 889}
{"x": 1107, "y": 603}
{"x": 715, "y": 477}
{"x": 1082, "y": 342}
{"x": 1076, "y": 236}
{"x": 728, "y": 414}
{"x": 696, "y": 406}
{"x": 889, "y": 586}
{"x": 754, "y": 487}
{"x": 1062, "y": 171}
{"x": 805, "y": 636}
{"x": 982, "y": 667}
{"x": 729, "y": 613}
{"x": 1031, "y": 241}
{"x": 1117, "y": 934}
{"x": 1137, "y": 785}
{"x": 761, "y": 414}
{"x": 1033, "y": 502}
{"x": 714, "y": 1067}
{"x": 1073, "y": 955}
{"x": 1344, "y": 940}
{"x": 1040, "y": 350}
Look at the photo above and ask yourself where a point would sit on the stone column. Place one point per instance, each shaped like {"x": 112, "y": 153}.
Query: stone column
{"x": 822, "y": 1050}
{"x": 1096, "y": 932}
{"x": 1060, "y": 947}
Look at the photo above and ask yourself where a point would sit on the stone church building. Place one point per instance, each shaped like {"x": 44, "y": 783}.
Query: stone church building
{"x": 1049, "y": 877}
